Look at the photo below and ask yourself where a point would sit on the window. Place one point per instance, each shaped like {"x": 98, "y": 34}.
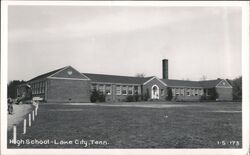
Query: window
{"x": 192, "y": 92}
{"x": 36, "y": 88}
{"x": 93, "y": 87}
{"x": 162, "y": 92}
{"x": 39, "y": 87}
{"x": 205, "y": 92}
{"x": 43, "y": 87}
{"x": 130, "y": 90}
{"x": 32, "y": 88}
{"x": 108, "y": 89}
{"x": 124, "y": 90}
{"x": 101, "y": 88}
{"x": 41, "y": 84}
{"x": 173, "y": 91}
{"x": 188, "y": 91}
{"x": 201, "y": 92}
{"x": 136, "y": 89}
{"x": 182, "y": 91}
{"x": 177, "y": 90}
{"x": 196, "y": 92}
{"x": 118, "y": 90}
{"x": 208, "y": 92}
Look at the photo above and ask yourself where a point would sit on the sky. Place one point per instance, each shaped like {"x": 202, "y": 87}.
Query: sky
{"x": 125, "y": 40}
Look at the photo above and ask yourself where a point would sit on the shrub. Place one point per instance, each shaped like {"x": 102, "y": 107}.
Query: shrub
{"x": 102, "y": 97}
{"x": 130, "y": 98}
{"x": 97, "y": 96}
{"x": 137, "y": 97}
{"x": 133, "y": 98}
{"x": 203, "y": 97}
{"x": 146, "y": 95}
{"x": 213, "y": 94}
{"x": 170, "y": 95}
{"x": 237, "y": 88}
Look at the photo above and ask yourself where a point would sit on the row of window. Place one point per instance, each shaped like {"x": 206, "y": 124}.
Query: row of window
{"x": 187, "y": 91}
{"x": 119, "y": 90}
{"x": 126, "y": 90}
{"x": 38, "y": 87}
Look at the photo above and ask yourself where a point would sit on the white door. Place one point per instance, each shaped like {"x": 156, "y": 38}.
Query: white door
{"x": 155, "y": 92}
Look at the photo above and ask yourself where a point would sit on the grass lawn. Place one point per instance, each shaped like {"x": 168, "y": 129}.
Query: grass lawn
{"x": 193, "y": 125}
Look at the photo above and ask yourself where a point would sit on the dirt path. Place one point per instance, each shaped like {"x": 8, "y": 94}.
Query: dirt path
{"x": 20, "y": 111}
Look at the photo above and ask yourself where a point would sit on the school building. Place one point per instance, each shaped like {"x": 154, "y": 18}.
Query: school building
{"x": 69, "y": 85}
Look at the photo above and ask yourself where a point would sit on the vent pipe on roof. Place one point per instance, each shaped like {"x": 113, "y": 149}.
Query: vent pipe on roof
{"x": 165, "y": 68}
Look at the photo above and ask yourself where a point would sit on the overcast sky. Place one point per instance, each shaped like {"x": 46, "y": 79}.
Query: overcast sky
{"x": 125, "y": 40}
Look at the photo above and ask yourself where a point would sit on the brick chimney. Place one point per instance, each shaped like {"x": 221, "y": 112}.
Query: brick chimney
{"x": 165, "y": 68}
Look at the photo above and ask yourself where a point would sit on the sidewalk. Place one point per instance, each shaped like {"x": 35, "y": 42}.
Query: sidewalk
{"x": 19, "y": 114}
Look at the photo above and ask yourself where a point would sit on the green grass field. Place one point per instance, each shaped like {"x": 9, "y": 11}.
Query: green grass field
{"x": 187, "y": 125}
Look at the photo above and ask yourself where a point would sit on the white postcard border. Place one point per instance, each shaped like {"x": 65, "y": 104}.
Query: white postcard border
{"x": 245, "y": 73}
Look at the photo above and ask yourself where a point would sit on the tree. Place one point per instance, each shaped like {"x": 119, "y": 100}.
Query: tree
{"x": 146, "y": 95}
{"x": 237, "y": 88}
{"x": 213, "y": 93}
{"x": 137, "y": 96}
{"x": 140, "y": 75}
{"x": 12, "y": 88}
{"x": 170, "y": 94}
{"x": 133, "y": 98}
{"x": 130, "y": 98}
{"x": 97, "y": 96}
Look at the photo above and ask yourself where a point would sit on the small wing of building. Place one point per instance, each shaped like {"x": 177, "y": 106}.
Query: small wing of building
{"x": 222, "y": 87}
{"x": 62, "y": 85}
{"x": 185, "y": 90}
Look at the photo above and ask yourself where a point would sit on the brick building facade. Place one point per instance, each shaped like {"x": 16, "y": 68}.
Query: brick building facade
{"x": 69, "y": 85}
{"x": 61, "y": 85}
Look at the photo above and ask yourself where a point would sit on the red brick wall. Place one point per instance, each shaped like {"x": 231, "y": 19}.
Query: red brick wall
{"x": 225, "y": 93}
{"x": 62, "y": 90}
